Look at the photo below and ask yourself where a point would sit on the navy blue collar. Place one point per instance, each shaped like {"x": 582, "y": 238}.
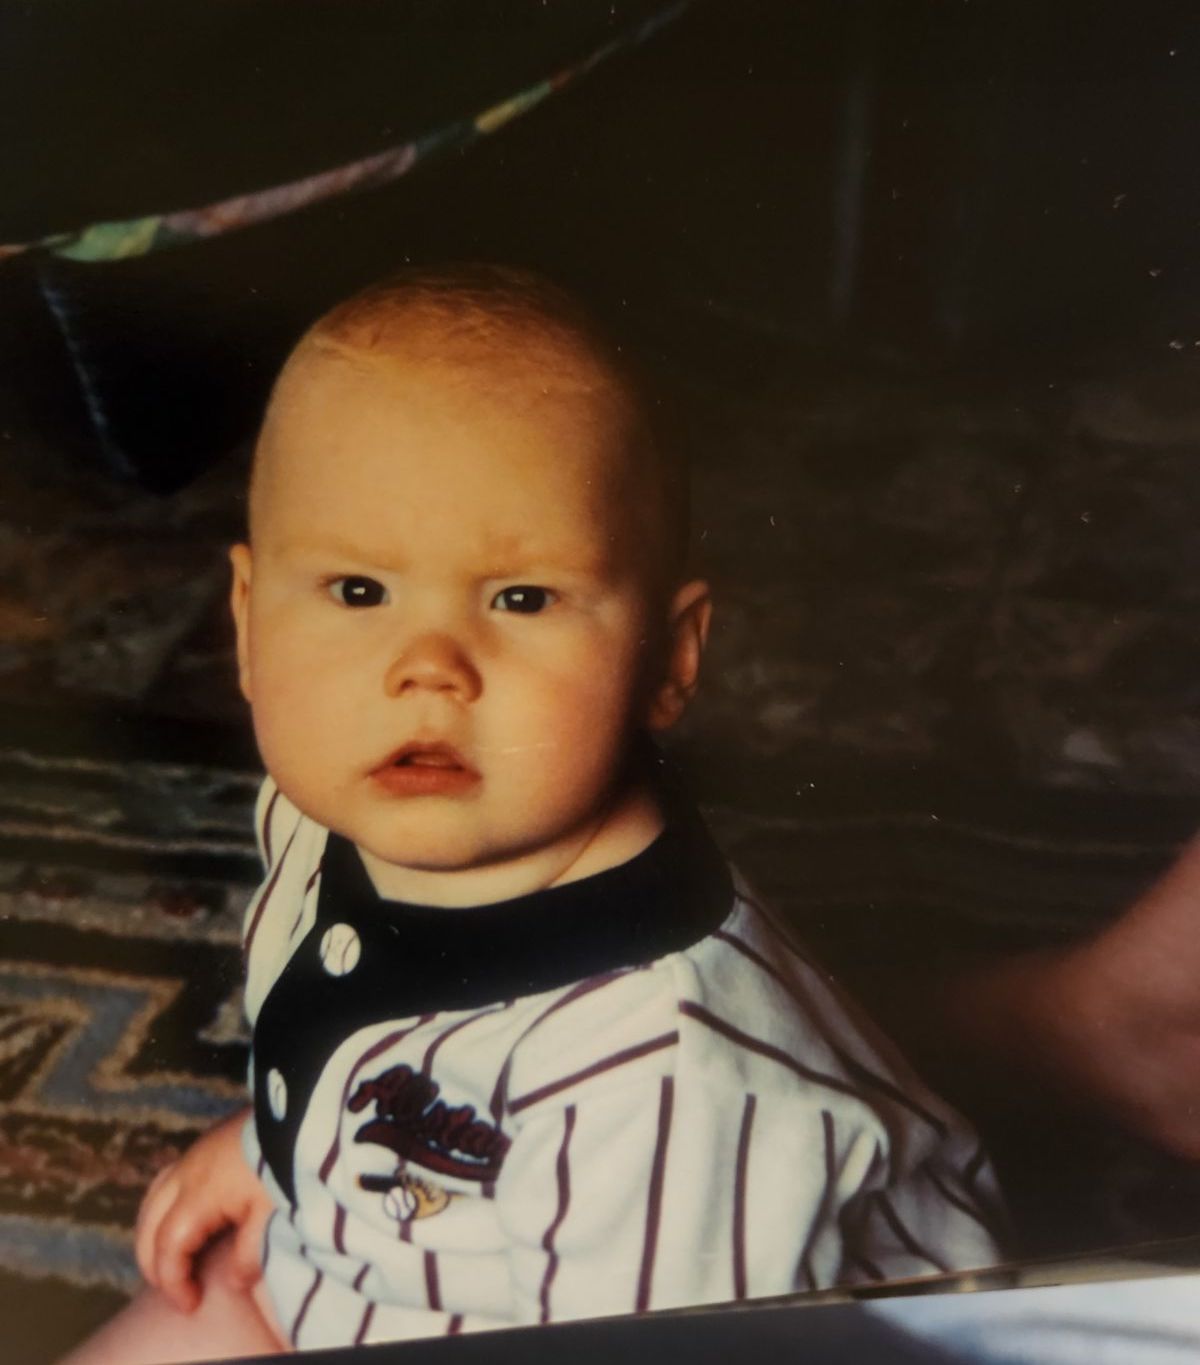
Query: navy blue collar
{"x": 671, "y": 895}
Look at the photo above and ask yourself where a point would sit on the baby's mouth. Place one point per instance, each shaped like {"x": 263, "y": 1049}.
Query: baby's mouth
{"x": 426, "y": 756}
{"x": 426, "y": 760}
{"x": 419, "y": 766}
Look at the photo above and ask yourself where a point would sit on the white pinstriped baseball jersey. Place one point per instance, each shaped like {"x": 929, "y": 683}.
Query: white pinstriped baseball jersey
{"x": 623, "y": 1094}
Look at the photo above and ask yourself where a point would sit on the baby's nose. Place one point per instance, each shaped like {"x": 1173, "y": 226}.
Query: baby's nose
{"x": 436, "y": 663}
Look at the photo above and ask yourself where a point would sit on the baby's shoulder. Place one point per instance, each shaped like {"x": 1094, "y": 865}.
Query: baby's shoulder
{"x": 750, "y": 989}
{"x": 756, "y": 969}
{"x": 606, "y": 1032}
{"x": 759, "y": 1012}
{"x": 744, "y": 1008}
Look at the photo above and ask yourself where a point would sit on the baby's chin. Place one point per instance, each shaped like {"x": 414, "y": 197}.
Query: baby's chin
{"x": 445, "y": 870}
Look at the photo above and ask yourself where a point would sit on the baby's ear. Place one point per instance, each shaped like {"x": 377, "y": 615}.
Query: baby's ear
{"x": 687, "y": 634}
{"x": 239, "y": 602}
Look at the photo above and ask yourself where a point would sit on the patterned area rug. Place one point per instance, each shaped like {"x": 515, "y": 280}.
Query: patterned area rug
{"x": 122, "y": 883}
{"x": 127, "y": 855}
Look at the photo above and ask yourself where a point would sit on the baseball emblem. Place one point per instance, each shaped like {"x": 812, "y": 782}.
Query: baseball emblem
{"x": 276, "y": 1093}
{"x": 340, "y": 949}
{"x": 411, "y": 1197}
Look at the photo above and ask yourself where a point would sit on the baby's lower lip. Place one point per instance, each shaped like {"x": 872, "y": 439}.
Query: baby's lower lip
{"x": 435, "y": 777}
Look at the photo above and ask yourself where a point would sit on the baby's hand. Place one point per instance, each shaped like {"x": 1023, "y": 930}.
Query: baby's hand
{"x": 207, "y": 1190}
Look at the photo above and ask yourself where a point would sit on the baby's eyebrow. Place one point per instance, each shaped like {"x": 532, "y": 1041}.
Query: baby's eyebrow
{"x": 514, "y": 555}
{"x": 537, "y": 567}
{"x": 510, "y": 559}
{"x": 314, "y": 545}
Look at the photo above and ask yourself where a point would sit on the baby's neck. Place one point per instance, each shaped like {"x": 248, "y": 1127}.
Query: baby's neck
{"x": 616, "y": 833}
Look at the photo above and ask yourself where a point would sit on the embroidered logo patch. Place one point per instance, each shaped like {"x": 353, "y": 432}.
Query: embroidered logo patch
{"x": 407, "y": 1196}
{"x": 411, "y": 1121}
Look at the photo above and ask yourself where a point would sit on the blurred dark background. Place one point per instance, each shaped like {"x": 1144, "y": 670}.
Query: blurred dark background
{"x": 929, "y": 183}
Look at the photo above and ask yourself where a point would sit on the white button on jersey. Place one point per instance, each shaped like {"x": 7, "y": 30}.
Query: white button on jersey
{"x": 340, "y": 949}
{"x": 276, "y": 1093}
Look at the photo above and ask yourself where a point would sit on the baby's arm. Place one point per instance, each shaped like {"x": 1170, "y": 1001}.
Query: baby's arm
{"x": 666, "y": 1194}
{"x": 207, "y": 1190}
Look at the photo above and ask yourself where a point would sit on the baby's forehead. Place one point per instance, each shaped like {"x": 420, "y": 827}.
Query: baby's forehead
{"x": 468, "y": 388}
{"x": 446, "y": 406}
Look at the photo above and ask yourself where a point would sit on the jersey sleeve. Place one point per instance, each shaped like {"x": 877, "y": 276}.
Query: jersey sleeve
{"x": 944, "y": 1215}
{"x": 663, "y": 1156}
{"x": 910, "y": 1190}
{"x": 645, "y": 1174}
{"x": 660, "y": 1194}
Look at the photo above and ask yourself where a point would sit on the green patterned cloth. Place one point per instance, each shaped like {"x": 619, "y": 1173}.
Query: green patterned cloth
{"x": 115, "y": 241}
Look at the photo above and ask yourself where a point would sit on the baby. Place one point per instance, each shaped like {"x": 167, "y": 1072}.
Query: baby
{"x": 524, "y": 1048}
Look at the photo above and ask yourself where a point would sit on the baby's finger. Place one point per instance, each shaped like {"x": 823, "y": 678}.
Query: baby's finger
{"x": 163, "y": 1174}
{"x": 156, "y": 1204}
{"x": 180, "y": 1237}
{"x": 246, "y": 1261}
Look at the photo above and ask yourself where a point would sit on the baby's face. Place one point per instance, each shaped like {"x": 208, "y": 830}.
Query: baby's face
{"x": 444, "y": 626}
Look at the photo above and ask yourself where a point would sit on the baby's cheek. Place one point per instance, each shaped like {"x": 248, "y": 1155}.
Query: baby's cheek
{"x": 282, "y": 704}
{"x": 570, "y": 702}
{"x": 590, "y": 724}
{"x": 296, "y": 723}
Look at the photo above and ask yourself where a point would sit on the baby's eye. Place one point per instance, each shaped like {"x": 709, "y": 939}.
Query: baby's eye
{"x": 523, "y": 598}
{"x": 355, "y": 590}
